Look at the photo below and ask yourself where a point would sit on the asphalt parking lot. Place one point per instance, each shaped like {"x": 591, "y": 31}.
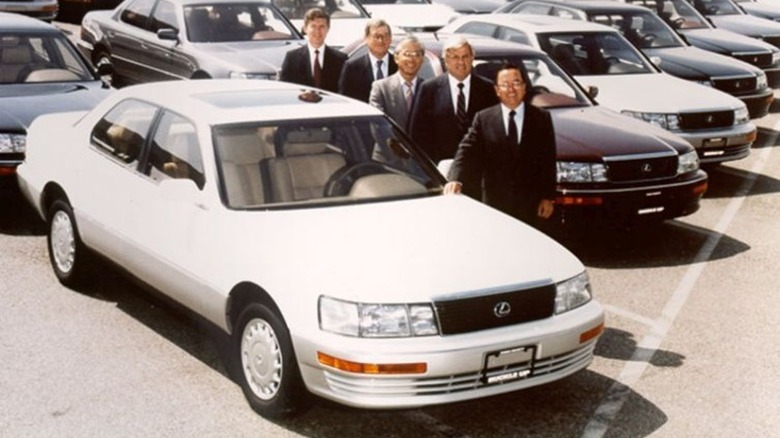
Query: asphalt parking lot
{"x": 691, "y": 349}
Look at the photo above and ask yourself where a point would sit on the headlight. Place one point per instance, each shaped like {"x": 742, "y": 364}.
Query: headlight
{"x": 775, "y": 57}
{"x": 248, "y": 75}
{"x": 705, "y": 83}
{"x": 761, "y": 81}
{"x": 665, "y": 121}
{"x": 741, "y": 115}
{"x": 572, "y": 293}
{"x": 572, "y": 171}
{"x": 13, "y": 143}
{"x": 687, "y": 162}
{"x": 376, "y": 320}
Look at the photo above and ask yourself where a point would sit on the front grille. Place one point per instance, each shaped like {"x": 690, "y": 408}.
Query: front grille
{"x": 479, "y": 313}
{"x": 773, "y": 40}
{"x": 757, "y": 59}
{"x": 561, "y": 364}
{"x": 642, "y": 169}
{"x": 736, "y": 85}
{"x": 716, "y": 119}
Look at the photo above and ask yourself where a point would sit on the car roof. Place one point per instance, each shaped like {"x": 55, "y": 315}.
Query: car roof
{"x": 594, "y": 6}
{"x": 223, "y": 101}
{"x": 11, "y": 23}
{"x": 536, "y": 23}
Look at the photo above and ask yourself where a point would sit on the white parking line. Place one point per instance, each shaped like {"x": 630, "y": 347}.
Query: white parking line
{"x": 617, "y": 394}
{"x": 433, "y": 425}
{"x": 628, "y": 314}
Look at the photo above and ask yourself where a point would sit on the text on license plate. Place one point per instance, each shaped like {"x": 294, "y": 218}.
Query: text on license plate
{"x": 509, "y": 365}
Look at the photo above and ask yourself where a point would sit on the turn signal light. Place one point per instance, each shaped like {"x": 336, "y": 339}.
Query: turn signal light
{"x": 592, "y": 333}
{"x": 371, "y": 368}
{"x": 700, "y": 189}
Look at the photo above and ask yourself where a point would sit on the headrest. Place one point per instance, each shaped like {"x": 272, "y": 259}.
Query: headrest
{"x": 306, "y": 142}
{"x": 17, "y": 55}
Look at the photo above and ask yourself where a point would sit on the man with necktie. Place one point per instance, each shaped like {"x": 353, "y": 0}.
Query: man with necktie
{"x": 395, "y": 95}
{"x": 507, "y": 159}
{"x": 445, "y": 105}
{"x": 360, "y": 72}
{"x": 314, "y": 64}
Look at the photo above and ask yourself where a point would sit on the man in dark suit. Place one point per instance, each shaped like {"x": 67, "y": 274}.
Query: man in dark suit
{"x": 507, "y": 159}
{"x": 446, "y": 104}
{"x": 360, "y": 72}
{"x": 395, "y": 95}
{"x": 314, "y": 64}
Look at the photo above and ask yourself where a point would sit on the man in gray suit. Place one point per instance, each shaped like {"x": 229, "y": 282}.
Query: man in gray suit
{"x": 394, "y": 95}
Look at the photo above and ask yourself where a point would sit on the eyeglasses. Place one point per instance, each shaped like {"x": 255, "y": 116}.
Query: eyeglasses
{"x": 411, "y": 54}
{"x": 516, "y": 85}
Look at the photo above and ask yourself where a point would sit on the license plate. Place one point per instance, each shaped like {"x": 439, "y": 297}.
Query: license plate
{"x": 650, "y": 210}
{"x": 508, "y": 365}
{"x": 714, "y": 142}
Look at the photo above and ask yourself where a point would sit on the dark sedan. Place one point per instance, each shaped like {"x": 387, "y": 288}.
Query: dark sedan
{"x": 726, "y": 14}
{"x": 699, "y": 32}
{"x": 156, "y": 40}
{"x": 610, "y": 166}
{"x": 647, "y": 32}
{"x": 40, "y": 72}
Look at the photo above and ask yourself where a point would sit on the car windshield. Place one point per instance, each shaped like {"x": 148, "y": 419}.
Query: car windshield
{"x": 594, "y": 53}
{"x": 40, "y": 58}
{"x": 395, "y": 2}
{"x": 223, "y": 22}
{"x": 332, "y": 161}
{"x": 644, "y": 29}
{"x": 337, "y": 9}
{"x": 553, "y": 87}
{"x": 677, "y": 13}
{"x": 717, "y": 7}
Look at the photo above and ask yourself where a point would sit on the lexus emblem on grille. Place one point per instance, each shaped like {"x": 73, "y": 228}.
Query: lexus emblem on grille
{"x": 710, "y": 119}
{"x": 647, "y": 167}
{"x": 502, "y": 309}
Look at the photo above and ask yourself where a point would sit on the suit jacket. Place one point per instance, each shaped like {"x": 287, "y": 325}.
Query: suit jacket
{"x": 510, "y": 178}
{"x": 433, "y": 125}
{"x": 358, "y": 75}
{"x": 388, "y": 95}
{"x": 297, "y": 68}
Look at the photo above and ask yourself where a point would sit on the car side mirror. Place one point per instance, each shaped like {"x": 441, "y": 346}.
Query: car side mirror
{"x": 593, "y": 91}
{"x": 168, "y": 34}
{"x": 181, "y": 190}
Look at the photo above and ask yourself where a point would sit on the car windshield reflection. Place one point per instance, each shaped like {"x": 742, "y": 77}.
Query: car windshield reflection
{"x": 594, "y": 54}
{"x": 235, "y": 22}
{"x": 39, "y": 58}
{"x": 293, "y": 163}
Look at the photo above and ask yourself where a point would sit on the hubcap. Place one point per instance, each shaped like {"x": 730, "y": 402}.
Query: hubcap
{"x": 261, "y": 358}
{"x": 63, "y": 241}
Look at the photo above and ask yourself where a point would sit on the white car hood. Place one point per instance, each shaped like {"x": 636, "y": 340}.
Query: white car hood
{"x": 413, "y": 16}
{"x": 408, "y": 251}
{"x": 657, "y": 92}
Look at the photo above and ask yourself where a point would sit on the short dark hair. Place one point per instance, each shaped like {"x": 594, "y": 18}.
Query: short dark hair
{"x": 530, "y": 92}
{"x": 313, "y": 14}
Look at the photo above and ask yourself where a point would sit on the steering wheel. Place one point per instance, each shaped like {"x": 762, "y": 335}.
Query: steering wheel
{"x": 342, "y": 180}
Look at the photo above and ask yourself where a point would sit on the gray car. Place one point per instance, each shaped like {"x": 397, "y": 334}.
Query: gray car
{"x": 156, "y": 40}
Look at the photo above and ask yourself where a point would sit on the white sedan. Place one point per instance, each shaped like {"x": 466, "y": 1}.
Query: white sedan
{"x": 306, "y": 226}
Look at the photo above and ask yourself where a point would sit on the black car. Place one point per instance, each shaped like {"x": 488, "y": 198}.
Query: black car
{"x": 647, "y": 32}
{"x": 699, "y": 32}
{"x": 157, "y": 40}
{"x": 40, "y": 72}
{"x": 610, "y": 167}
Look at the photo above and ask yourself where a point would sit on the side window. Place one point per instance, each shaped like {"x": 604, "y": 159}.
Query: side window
{"x": 123, "y": 131}
{"x": 175, "y": 152}
{"x": 137, "y": 13}
{"x": 569, "y": 14}
{"x": 164, "y": 17}
{"x": 509, "y": 34}
{"x": 533, "y": 8}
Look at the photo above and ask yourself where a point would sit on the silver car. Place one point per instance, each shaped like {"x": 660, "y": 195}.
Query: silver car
{"x": 44, "y": 9}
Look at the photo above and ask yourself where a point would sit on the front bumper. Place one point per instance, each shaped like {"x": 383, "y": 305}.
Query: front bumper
{"x": 456, "y": 364}
{"x": 631, "y": 204}
{"x": 758, "y": 104}
{"x": 719, "y": 145}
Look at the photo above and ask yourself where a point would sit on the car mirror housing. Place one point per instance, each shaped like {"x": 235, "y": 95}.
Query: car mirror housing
{"x": 593, "y": 91}
{"x": 168, "y": 34}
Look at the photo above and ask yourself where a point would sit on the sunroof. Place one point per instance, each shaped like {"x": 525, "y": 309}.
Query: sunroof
{"x": 266, "y": 98}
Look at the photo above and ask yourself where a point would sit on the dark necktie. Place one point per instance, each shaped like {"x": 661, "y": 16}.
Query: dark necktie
{"x": 512, "y": 135}
{"x": 379, "y": 74}
{"x": 408, "y": 94}
{"x": 461, "y": 113}
{"x": 317, "y": 69}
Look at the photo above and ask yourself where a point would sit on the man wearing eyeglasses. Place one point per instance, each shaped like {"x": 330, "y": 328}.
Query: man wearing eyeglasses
{"x": 395, "y": 95}
{"x": 507, "y": 159}
{"x": 360, "y": 72}
{"x": 446, "y": 105}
